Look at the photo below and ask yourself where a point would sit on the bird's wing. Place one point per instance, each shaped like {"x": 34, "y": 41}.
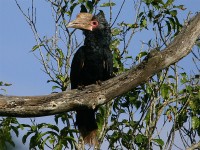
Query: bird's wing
{"x": 108, "y": 67}
{"x": 76, "y": 68}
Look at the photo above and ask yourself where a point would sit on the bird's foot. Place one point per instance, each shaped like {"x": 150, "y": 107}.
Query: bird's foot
{"x": 99, "y": 82}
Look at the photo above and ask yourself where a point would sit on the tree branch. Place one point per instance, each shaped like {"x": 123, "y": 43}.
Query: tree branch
{"x": 95, "y": 95}
{"x": 194, "y": 146}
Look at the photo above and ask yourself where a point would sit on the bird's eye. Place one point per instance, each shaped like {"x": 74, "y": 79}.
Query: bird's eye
{"x": 94, "y": 24}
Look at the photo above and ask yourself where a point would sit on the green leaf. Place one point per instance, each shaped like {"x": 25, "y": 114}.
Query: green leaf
{"x": 60, "y": 62}
{"x": 147, "y": 117}
{"x": 34, "y": 128}
{"x": 33, "y": 142}
{"x": 173, "y": 12}
{"x": 36, "y": 47}
{"x": 50, "y": 140}
{"x": 89, "y": 5}
{"x": 25, "y": 136}
{"x": 150, "y": 15}
{"x": 61, "y": 78}
{"x": 25, "y": 126}
{"x": 116, "y": 31}
{"x": 172, "y": 22}
{"x": 107, "y": 4}
{"x": 165, "y": 91}
{"x": 55, "y": 87}
{"x": 159, "y": 142}
{"x": 169, "y": 28}
{"x": 142, "y": 54}
{"x": 184, "y": 78}
{"x": 7, "y": 84}
{"x": 195, "y": 122}
{"x": 140, "y": 14}
{"x": 15, "y": 129}
{"x": 60, "y": 57}
{"x": 133, "y": 124}
{"x": 169, "y": 2}
{"x": 143, "y": 22}
{"x": 83, "y": 8}
{"x": 171, "y": 76}
{"x": 100, "y": 117}
{"x": 58, "y": 146}
{"x": 72, "y": 9}
{"x": 60, "y": 52}
{"x": 50, "y": 126}
{"x": 197, "y": 44}
{"x": 178, "y": 25}
{"x": 53, "y": 127}
{"x": 72, "y": 1}
{"x": 180, "y": 7}
{"x": 148, "y": 2}
{"x": 137, "y": 104}
{"x": 52, "y": 133}
{"x": 140, "y": 139}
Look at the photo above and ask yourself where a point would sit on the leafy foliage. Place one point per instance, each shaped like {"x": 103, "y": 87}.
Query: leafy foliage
{"x": 136, "y": 119}
{"x": 8, "y": 125}
{"x": 2, "y": 84}
{"x": 53, "y": 137}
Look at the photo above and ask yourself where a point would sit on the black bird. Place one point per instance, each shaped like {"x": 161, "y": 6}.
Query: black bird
{"x": 91, "y": 63}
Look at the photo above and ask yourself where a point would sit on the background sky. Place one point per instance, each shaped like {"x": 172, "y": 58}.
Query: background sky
{"x": 19, "y": 66}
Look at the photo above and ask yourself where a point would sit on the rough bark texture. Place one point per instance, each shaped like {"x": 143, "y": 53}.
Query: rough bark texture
{"x": 194, "y": 146}
{"x": 94, "y": 95}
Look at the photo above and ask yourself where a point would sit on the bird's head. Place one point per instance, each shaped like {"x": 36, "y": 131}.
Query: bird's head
{"x": 95, "y": 28}
{"x": 86, "y": 21}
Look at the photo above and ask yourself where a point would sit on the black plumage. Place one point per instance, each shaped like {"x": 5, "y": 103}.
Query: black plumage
{"x": 91, "y": 63}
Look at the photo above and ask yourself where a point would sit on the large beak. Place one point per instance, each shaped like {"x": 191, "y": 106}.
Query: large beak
{"x": 82, "y": 21}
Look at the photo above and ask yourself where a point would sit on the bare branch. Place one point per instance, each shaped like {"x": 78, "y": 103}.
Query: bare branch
{"x": 194, "y": 146}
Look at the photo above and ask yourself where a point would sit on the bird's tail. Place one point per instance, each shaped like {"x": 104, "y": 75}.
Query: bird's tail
{"x": 86, "y": 122}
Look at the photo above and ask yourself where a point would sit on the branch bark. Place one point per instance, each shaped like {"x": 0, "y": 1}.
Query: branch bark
{"x": 94, "y": 95}
{"x": 194, "y": 146}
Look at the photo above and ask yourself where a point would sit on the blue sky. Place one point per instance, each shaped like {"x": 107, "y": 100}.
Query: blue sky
{"x": 19, "y": 66}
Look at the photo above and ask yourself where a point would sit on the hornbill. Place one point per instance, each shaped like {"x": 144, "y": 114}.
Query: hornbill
{"x": 91, "y": 63}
